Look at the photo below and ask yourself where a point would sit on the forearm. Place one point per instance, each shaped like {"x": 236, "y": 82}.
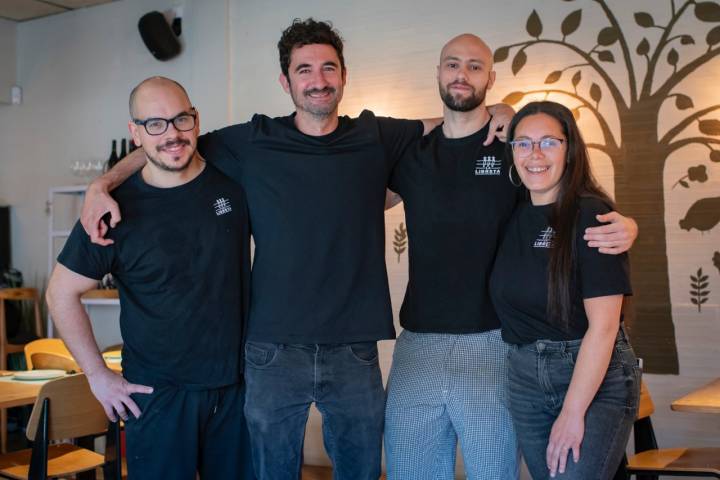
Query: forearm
{"x": 590, "y": 368}
{"x": 120, "y": 172}
{"x": 75, "y": 329}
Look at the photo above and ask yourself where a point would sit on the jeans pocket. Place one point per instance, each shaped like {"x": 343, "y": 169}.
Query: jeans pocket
{"x": 365, "y": 352}
{"x": 260, "y": 354}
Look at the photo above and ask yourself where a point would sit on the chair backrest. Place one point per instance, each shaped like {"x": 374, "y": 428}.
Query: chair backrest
{"x": 53, "y": 361}
{"x": 74, "y": 411}
{"x": 646, "y": 407}
{"x": 54, "y": 346}
{"x": 29, "y": 294}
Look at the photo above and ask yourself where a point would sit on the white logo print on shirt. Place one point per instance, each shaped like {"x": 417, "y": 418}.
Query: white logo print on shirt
{"x": 545, "y": 240}
{"x": 222, "y": 206}
{"x": 488, "y": 165}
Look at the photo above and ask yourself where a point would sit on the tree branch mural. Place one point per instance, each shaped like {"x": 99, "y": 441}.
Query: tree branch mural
{"x": 637, "y": 150}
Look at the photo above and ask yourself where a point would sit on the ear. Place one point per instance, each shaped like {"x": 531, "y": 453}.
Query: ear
{"x": 437, "y": 73}
{"x": 491, "y": 79}
{"x": 344, "y": 76}
{"x": 284, "y": 82}
{"x": 135, "y": 133}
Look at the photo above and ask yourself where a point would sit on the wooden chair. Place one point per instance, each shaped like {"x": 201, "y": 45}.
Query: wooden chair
{"x": 650, "y": 461}
{"x": 6, "y": 348}
{"x": 65, "y": 408}
{"x": 49, "y": 353}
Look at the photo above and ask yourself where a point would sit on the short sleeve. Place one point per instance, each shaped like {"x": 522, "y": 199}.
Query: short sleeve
{"x": 86, "y": 258}
{"x": 600, "y": 274}
{"x": 397, "y": 135}
{"x": 226, "y": 148}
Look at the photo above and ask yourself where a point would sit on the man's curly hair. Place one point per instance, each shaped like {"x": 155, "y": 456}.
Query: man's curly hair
{"x": 308, "y": 32}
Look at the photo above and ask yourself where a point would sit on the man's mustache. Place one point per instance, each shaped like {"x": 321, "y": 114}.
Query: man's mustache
{"x": 318, "y": 90}
{"x": 172, "y": 143}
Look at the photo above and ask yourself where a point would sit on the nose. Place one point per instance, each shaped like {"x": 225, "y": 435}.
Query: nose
{"x": 536, "y": 151}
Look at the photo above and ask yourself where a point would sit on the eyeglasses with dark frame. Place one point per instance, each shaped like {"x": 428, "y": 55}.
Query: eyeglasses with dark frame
{"x": 182, "y": 122}
{"x": 525, "y": 146}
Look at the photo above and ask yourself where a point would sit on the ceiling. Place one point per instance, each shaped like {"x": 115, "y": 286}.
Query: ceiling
{"x": 22, "y": 10}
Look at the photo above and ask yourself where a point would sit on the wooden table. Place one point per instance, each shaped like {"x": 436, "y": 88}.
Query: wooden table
{"x": 705, "y": 399}
{"x": 16, "y": 393}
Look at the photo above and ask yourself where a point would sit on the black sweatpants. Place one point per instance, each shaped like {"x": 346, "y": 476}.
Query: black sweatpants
{"x": 181, "y": 432}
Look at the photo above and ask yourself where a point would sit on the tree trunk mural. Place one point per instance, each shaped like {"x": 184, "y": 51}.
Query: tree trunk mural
{"x": 638, "y": 149}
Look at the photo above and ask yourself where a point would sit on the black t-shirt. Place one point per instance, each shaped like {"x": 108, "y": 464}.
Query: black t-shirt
{"x": 181, "y": 263}
{"x": 457, "y": 198}
{"x": 519, "y": 282}
{"x": 316, "y": 212}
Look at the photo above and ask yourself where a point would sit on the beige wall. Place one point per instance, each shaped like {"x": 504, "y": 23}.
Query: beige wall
{"x": 77, "y": 68}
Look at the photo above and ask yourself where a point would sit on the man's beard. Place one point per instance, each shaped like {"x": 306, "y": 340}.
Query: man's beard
{"x": 171, "y": 168}
{"x": 461, "y": 104}
{"x": 318, "y": 111}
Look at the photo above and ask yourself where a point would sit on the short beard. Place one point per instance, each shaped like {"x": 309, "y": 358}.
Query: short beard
{"x": 317, "y": 112}
{"x": 464, "y": 105}
{"x": 170, "y": 168}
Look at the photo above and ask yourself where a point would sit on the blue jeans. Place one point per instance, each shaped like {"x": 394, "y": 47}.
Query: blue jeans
{"x": 539, "y": 375}
{"x": 345, "y": 383}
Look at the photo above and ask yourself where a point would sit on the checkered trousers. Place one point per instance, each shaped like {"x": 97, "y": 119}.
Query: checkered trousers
{"x": 445, "y": 388}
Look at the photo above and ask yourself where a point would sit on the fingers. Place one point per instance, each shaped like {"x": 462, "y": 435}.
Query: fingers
{"x": 114, "y": 214}
{"x": 120, "y": 408}
{"x": 492, "y": 131}
{"x": 552, "y": 457}
{"x": 611, "y": 250}
{"x": 109, "y": 412}
{"x": 609, "y": 217}
{"x": 576, "y": 452}
{"x": 134, "y": 409}
{"x": 135, "y": 388}
{"x": 563, "y": 455}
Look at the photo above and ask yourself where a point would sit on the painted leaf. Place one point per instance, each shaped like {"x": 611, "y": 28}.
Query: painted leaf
{"x": 713, "y": 36}
{"x": 571, "y": 23}
{"x": 683, "y": 102}
{"x": 576, "y": 78}
{"x": 692, "y": 299}
{"x": 595, "y": 92}
{"x": 704, "y": 300}
{"x": 683, "y": 183}
{"x": 707, "y": 11}
{"x": 513, "y": 98}
{"x": 703, "y": 285}
{"x": 501, "y": 54}
{"x": 693, "y": 278}
{"x": 673, "y": 57}
{"x": 518, "y": 62}
{"x": 607, "y": 36}
{"x": 715, "y": 156}
{"x": 534, "y": 25}
{"x": 644, "y": 19}
{"x": 687, "y": 40}
{"x": 709, "y": 127}
{"x": 643, "y": 47}
{"x": 606, "y": 56}
{"x": 553, "y": 76}
{"x": 576, "y": 114}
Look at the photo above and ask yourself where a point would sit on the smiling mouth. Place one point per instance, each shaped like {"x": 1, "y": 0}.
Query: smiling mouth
{"x": 537, "y": 169}
{"x": 320, "y": 94}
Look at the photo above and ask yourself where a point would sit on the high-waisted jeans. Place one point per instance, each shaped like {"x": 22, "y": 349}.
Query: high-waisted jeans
{"x": 539, "y": 376}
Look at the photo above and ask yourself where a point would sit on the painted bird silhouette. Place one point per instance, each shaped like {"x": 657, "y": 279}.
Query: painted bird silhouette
{"x": 703, "y": 215}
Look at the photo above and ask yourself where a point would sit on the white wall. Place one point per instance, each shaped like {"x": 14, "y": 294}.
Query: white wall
{"x": 7, "y": 58}
{"x": 76, "y": 70}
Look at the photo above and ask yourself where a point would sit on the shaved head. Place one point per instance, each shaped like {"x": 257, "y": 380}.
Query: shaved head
{"x": 468, "y": 41}
{"x": 465, "y": 73}
{"x": 148, "y": 85}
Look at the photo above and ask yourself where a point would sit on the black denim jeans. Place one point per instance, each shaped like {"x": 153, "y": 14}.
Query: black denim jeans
{"x": 344, "y": 382}
{"x": 539, "y": 376}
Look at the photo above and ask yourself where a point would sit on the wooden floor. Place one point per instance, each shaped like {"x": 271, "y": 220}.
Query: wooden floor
{"x": 312, "y": 472}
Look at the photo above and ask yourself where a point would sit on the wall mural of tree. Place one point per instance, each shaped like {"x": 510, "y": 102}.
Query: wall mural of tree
{"x": 637, "y": 149}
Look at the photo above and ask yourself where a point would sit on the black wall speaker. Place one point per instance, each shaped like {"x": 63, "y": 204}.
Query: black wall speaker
{"x": 4, "y": 238}
{"x": 158, "y": 36}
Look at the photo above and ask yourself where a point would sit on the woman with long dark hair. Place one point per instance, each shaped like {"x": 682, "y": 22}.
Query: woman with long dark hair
{"x": 573, "y": 377}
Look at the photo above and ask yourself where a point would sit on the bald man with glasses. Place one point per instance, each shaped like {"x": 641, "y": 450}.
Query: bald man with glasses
{"x": 181, "y": 262}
